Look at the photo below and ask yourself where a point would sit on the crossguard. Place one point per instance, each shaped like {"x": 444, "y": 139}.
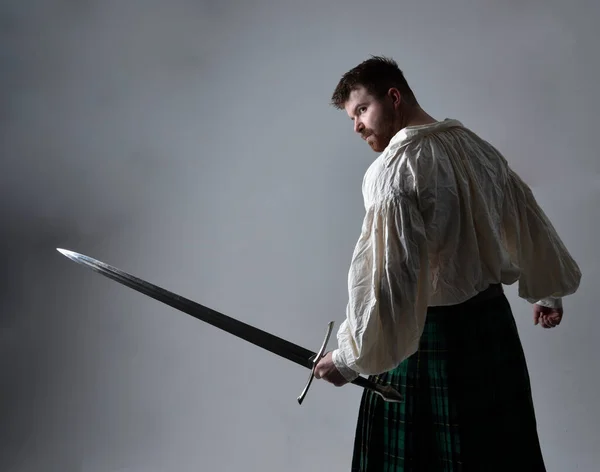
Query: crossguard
{"x": 315, "y": 360}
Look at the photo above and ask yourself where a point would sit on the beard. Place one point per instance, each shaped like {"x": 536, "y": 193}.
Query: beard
{"x": 376, "y": 143}
{"x": 378, "y": 137}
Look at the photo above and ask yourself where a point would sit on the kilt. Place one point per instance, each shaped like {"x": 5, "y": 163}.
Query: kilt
{"x": 468, "y": 405}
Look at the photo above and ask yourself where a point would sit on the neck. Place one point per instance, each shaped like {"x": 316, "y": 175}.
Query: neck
{"x": 416, "y": 116}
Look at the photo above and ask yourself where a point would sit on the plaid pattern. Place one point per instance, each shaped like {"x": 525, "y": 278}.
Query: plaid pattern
{"x": 468, "y": 404}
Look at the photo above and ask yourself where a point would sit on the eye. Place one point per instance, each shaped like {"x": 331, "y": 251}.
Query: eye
{"x": 361, "y": 110}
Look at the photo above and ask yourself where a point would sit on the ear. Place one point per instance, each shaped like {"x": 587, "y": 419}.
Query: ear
{"x": 395, "y": 95}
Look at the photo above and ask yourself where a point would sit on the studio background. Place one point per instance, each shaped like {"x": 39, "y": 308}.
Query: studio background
{"x": 193, "y": 145}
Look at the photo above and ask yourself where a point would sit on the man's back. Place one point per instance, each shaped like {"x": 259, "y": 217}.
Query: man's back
{"x": 482, "y": 223}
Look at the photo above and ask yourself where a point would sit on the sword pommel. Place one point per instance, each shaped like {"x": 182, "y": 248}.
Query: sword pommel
{"x": 387, "y": 392}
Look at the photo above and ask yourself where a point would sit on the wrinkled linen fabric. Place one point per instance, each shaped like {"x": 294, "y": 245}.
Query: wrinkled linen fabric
{"x": 445, "y": 217}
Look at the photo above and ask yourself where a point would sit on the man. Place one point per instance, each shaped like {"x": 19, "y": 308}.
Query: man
{"x": 447, "y": 223}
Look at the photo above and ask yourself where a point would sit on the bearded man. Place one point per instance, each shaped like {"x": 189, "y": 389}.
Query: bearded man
{"x": 447, "y": 224}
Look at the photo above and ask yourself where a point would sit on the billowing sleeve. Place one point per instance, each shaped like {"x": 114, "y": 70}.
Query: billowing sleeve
{"x": 388, "y": 287}
{"x": 548, "y": 271}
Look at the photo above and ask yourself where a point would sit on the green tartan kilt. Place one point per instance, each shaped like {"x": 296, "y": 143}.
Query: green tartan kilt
{"x": 468, "y": 404}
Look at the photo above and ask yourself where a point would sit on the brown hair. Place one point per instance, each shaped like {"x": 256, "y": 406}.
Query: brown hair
{"x": 377, "y": 74}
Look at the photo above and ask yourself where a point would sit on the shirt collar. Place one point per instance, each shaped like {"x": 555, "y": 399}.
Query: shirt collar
{"x": 411, "y": 133}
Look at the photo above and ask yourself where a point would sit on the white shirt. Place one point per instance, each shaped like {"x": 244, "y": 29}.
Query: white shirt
{"x": 445, "y": 217}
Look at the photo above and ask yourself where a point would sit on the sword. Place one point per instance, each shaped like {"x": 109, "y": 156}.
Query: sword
{"x": 268, "y": 341}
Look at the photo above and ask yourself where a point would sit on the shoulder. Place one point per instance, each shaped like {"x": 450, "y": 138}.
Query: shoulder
{"x": 411, "y": 163}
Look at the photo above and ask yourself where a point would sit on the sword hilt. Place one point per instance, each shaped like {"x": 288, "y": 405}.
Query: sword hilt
{"x": 387, "y": 392}
{"x": 315, "y": 360}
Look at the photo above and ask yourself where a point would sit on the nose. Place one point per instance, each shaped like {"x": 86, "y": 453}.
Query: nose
{"x": 358, "y": 126}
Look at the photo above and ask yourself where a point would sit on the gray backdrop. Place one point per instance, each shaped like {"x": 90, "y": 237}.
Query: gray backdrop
{"x": 192, "y": 144}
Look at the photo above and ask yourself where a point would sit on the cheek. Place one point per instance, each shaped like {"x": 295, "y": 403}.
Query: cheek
{"x": 376, "y": 117}
{"x": 370, "y": 122}
{"x": 374, "y": 124}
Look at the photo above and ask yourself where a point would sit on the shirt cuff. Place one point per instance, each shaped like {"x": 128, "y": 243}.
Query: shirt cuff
{"x": 339, "y": 363}
{"x": 550, "y": 302}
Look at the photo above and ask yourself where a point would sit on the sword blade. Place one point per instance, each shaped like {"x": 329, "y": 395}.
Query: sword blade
{"x": 268, "y": 341}
{"x": 279, "y": 346}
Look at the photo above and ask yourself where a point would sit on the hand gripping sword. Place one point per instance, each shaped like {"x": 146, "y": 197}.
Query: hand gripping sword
{"x": 270, "y": 342}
